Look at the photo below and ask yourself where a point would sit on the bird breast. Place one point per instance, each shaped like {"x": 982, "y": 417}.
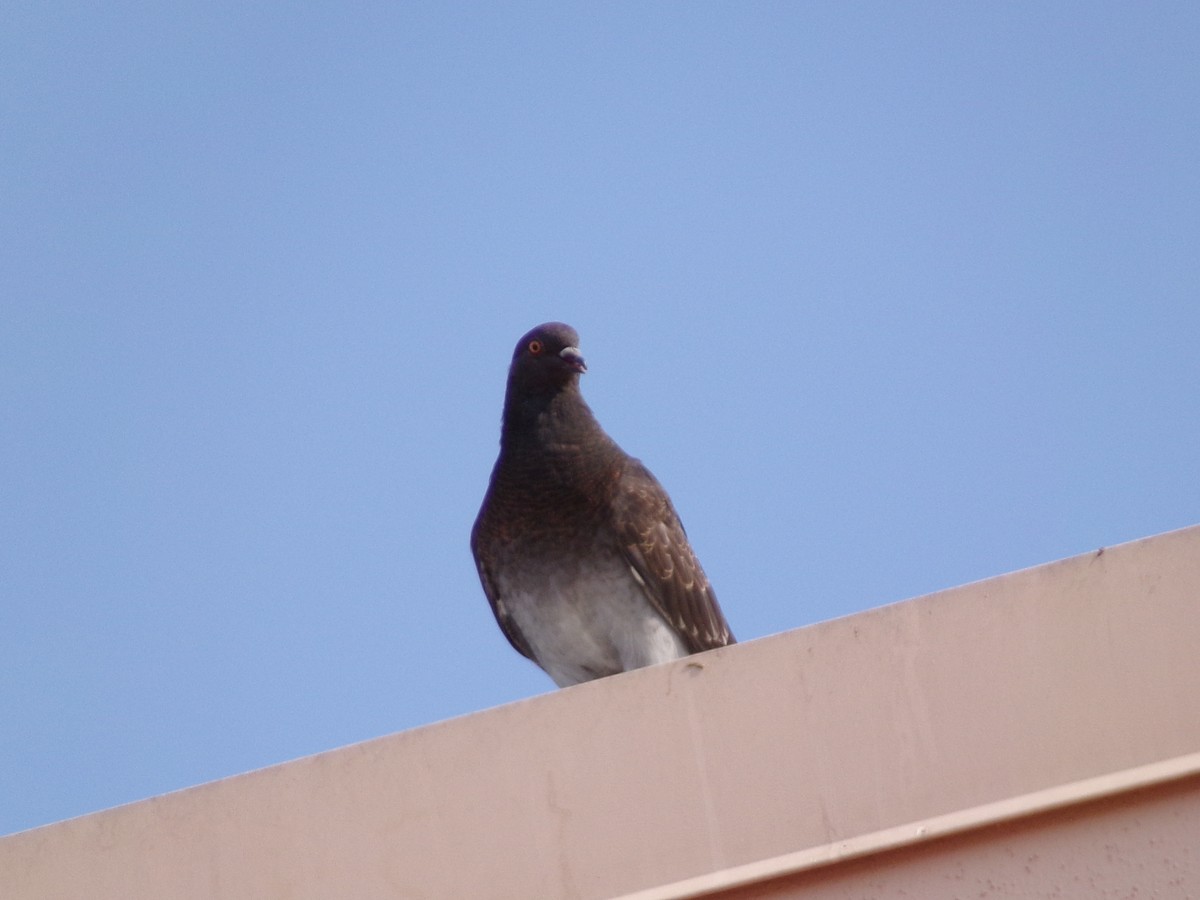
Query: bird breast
{"x": 588, "y": 619}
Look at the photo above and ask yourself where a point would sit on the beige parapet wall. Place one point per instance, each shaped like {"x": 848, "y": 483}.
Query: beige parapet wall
{"x": 1036, "y": 734}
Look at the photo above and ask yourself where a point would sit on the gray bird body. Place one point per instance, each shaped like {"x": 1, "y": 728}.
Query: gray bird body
{"x": 579, "y": 550}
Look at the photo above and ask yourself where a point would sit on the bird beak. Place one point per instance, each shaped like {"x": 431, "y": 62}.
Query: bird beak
{"x": 573, "y": 358}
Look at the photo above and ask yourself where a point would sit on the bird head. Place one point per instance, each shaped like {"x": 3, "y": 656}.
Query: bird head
{"x": 547, "y": 358}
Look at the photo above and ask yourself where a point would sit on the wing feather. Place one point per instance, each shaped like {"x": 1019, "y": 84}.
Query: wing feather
{"x": 654, "y": 543}
{"x": 479, "y": 549}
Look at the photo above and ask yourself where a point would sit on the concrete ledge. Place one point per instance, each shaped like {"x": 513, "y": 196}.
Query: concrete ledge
{"x": 1060, "y": 686}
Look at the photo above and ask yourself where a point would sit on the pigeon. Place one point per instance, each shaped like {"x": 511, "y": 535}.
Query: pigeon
{"x": 579, "y": 549}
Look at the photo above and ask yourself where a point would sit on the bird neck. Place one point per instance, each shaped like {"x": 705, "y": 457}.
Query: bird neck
{"x": 546, "y": 424}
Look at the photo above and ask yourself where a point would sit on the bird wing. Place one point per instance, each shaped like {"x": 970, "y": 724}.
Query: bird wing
{"x": 656, "y": 547}
{"x": 503, "y": 619}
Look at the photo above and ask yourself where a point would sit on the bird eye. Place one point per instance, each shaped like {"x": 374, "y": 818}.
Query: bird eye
{"x": 535, "y": 347}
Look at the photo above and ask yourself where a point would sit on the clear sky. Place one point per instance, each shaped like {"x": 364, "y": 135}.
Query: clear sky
{"x": 891, "y": 297}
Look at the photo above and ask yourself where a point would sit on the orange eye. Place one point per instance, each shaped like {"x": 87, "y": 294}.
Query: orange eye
{"x": 535, "y": 347}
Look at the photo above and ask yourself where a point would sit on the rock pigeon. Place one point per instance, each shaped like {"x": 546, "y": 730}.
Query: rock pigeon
{"x": 580, "y": 552}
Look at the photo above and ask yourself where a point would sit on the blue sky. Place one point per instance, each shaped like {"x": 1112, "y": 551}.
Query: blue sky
{"x": 891, "y": 297}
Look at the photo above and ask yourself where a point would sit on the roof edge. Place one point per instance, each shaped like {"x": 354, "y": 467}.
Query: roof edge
{"x": 921, "y": 831}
